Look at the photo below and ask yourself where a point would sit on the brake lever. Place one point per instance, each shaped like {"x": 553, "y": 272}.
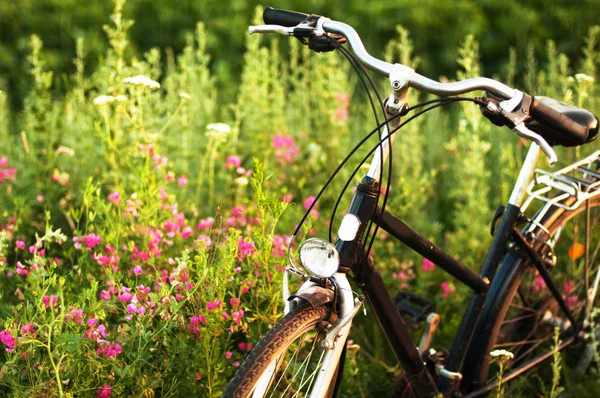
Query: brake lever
{"x": 282, "y": 30}
{"x": 524, "y": 132}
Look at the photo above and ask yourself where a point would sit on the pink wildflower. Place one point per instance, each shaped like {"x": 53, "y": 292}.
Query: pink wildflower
{"x": 286, "y": 150}
{"x": 183, "y": 180}
{"x": 287, "y": 198}
{"x": 115, "y": 197}
{"x": 225, "y": 315}
{"x": 308, "y": 202}
{"x": 234, "y": 302}
{"x": 92, "y": 322}
{"x": 447, "y": 290}
{"x": 232, "y": 162}
{"x": 20, "y": 244}
{"x": 103, "y": 392}
{"x": 237, "y": 316}
{"x": 109, "y": 350}
{"x": 49, "y": 301}
{"x": 8, "y": 340}
{"x": 246, "y": 249}
{"x": 21, "y": 270}
{"x": 427, "y": 265}
{"x": 28, "y": 329}
{"x": 137, "y": 270}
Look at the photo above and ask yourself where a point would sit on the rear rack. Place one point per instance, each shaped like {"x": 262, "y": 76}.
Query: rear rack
{"x": 580, "y": 180}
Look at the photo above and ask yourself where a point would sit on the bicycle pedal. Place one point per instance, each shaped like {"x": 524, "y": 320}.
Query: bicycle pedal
{"x": 413, "y": 309}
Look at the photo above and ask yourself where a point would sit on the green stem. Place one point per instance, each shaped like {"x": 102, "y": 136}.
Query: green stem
{"x": 56, "y": 371}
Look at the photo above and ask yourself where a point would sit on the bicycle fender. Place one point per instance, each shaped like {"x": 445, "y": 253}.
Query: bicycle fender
{"x": 315, "y": 295}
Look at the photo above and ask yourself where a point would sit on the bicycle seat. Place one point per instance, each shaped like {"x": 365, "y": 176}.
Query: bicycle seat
{"x": 578, "y": 115}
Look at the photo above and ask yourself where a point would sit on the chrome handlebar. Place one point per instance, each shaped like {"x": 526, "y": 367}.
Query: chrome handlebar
{"x": 410, "y": 78}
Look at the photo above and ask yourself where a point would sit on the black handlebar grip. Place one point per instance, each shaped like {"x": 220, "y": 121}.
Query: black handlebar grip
{"x": 272, "y": 16}
{"x": 557, "y": 121}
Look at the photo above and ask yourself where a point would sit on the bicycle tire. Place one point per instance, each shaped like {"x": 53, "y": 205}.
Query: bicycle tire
{"x": 503, "y": 292}
{"x": 276, "y": 342}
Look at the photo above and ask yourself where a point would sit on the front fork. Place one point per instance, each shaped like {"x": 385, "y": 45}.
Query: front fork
{"x": 350, "y": 242}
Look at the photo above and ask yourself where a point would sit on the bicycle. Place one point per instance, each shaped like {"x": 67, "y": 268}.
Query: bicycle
{"x": 515, "y": 303}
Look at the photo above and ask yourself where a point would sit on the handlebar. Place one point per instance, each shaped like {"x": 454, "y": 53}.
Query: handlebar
{"x": 294, "y": 23}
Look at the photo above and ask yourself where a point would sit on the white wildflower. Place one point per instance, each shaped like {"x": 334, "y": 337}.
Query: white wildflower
{"x": 141, "y": 80}
{"x": 121, "y": 98}
{"x": 502, "y": 353}
{"x": 185, "y": 96}
{"x": 65, "y": 150}
{"x": 241, "y": 181}
{"x": 218, "y": 131}
{"x": 103, "y": 100}
{"x": 582, "y": 77}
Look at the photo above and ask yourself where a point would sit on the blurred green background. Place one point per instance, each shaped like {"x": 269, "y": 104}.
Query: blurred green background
{"x": 436, "y": 27}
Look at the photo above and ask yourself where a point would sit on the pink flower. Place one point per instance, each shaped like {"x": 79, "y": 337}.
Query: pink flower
{"x": 568, "y": 286}
{"x": 49, "y": 301}
{"x": 3, "y": 161}
{"x": 202, "y": 318}
{"x": 232, "y": 162}
{"x": 40, "y": 198}
{"x": 92, "y": 322}
{"x": 20, "y": 244}
{"x": 287, "y": 198}
{"x": 21, "y": 270}
{"x": 237, "y": 316}
{"x": 234, "y": 302}
{"x": 225, "y": 315}
{"x": 228, "y": 355}
{"x": 137, "y": 270}
{"x": 218, "y": 303}
{"x": 131, "y": 308}
{"x": 90, "y": 241}
{"x": 539, "y": 284}
{"x": 115, "y": 197}
{"x": 28, "y": 329}
{"x": 103, "y": 392}
{"x": 8, "y": 340}
{"x": 427, "y": 265}
{"x": 236, "y": 364}
{"x": 286, "y": 150}
{"x": 183, "y": 180}
{"x": 194, "y": 320}
{"x": 308, "y": 202}
{"x": 447, "y": 290}
{"x": 109, "y": 350}
{"x": 76, "y": 315}
{"x": 210, "y": 306}
{"x": 246, "y": 249}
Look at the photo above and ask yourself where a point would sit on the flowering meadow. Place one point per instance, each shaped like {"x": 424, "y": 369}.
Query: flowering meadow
{"x": 145, "y": 216}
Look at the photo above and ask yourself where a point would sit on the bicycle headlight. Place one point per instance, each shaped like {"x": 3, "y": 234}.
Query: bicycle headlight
{"x": 319, "y": 257}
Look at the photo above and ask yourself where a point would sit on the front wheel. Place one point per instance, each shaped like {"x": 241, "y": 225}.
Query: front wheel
{"x": 286, "y": 361}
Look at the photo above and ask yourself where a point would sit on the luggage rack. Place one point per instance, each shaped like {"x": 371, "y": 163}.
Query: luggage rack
{"x": 580, "y": 180}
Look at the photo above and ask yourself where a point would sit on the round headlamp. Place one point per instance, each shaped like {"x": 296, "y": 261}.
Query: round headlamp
{"x": 319, "y": 257}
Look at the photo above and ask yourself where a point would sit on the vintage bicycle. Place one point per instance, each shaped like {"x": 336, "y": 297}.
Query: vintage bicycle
{"x": 516, "y": 302}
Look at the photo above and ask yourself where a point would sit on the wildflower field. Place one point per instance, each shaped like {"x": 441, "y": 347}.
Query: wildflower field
{"x": 145, "y": 216}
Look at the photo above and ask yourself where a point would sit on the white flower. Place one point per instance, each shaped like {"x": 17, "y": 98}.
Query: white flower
{"x": 218, "y": 131}
{"x": 121, "y": 98}
{"x": 502, "y": 353}
{"x": 141, "y": 80}
{"x": 65, "y": 150}
{"x": 241, "y": 181}
{"x": 103, "y": 99}
{"x": 185, "y": 96}
{"x": 582, "y": 77}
